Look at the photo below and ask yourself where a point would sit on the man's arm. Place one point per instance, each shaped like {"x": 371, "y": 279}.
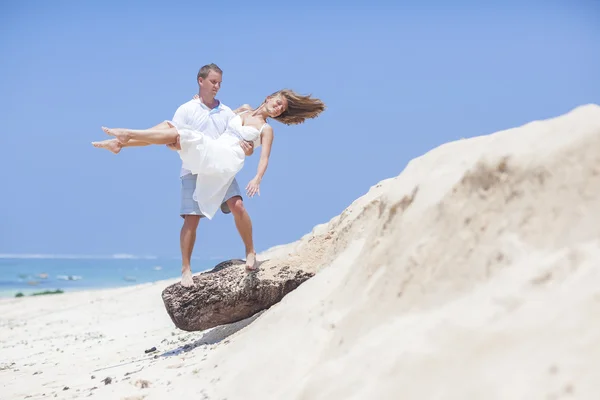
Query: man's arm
{"x": 181, "y": 117}
{"x": 248, "y": 147}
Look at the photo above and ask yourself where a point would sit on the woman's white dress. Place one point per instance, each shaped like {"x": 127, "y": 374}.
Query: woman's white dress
{"x": 215, "y": 161}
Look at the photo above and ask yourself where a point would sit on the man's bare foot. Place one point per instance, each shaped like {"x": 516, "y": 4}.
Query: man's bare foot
{"x": 112, "y": 145}
{"x": 251, "y": 262}
{"x": 120, "y": 134}
{"x": 186, "y": 278}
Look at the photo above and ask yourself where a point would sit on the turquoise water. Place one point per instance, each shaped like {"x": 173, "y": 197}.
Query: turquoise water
{"x": 39, "y": 274}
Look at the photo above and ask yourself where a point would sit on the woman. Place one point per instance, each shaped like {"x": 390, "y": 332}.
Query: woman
{"x": 217, "y": 161}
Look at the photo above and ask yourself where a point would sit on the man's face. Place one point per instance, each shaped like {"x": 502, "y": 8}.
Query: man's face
{"x": 211, "y": 84}
{"x": 275, "y": 105}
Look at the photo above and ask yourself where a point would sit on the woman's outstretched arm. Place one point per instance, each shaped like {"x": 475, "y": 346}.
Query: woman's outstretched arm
{"x": 266, "y": 142}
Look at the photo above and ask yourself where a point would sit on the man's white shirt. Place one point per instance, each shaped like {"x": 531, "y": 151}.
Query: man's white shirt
{"x": 196, "y": 115}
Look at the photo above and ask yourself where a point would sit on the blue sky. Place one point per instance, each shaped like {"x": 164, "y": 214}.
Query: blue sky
{"x": 398, "y": 81}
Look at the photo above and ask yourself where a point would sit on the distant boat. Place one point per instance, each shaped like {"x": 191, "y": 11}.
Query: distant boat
{"x": 69, "y": 277}
{"x": 42, "y": 275}
{"x": 129, "y": 278}
{"x": 157, "y": 268}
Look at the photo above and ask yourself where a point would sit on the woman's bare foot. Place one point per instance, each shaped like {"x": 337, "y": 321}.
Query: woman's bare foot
{"x": 251, "y": 262}
{"x": 112, "y": 145}
{"x": 186, "y": 278}
{"x": 120, "y": 134}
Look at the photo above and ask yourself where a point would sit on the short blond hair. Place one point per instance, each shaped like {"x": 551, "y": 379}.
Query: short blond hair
{"x": 205, "y": 70}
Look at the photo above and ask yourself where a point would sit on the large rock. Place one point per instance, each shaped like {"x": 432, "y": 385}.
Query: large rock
{"x": 228, "y": 293}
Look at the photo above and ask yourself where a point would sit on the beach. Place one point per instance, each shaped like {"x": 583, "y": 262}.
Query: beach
{"x": 473, "y": 274}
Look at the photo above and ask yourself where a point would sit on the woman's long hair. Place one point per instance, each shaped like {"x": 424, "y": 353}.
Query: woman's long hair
{"x": 299, "y": 107}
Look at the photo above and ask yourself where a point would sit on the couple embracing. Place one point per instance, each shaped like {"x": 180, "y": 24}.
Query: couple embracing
{"x": 212, "y": 141}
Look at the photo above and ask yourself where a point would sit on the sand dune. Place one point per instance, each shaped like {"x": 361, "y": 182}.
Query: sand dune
{"x": 474, "y": 274}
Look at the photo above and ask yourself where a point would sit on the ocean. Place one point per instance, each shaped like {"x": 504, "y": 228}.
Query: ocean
{"x": 33, "y": 274}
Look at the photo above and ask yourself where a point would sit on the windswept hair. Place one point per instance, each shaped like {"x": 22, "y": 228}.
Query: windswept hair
{"x": 299, "y": 107}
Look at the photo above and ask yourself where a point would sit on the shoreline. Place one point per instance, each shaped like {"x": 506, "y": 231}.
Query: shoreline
{"x": 37, "y": 275}
{"x": 11, "y": 293}
{"x": 68, "y": 291}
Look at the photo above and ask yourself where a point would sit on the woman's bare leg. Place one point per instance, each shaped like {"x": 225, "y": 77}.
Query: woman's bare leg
{"x": 151, "y": 136}
{"x": 114, "y": 146}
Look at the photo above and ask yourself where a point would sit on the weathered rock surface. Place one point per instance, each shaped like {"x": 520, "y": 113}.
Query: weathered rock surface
{"x": 228, "y": 293}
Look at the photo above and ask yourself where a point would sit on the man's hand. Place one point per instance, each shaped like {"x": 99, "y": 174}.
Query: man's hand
{"x": 175, "y": 146}
{"x": 248, "y": 147}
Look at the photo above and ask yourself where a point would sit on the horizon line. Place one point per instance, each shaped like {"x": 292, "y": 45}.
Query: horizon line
{"x": 116, "y": 256}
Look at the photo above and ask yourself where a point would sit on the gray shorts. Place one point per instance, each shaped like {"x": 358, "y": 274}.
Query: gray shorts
{"x": 189, "y": 205}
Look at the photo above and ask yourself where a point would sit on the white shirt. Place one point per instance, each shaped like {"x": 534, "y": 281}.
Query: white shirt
{"x": 198, "y": 116}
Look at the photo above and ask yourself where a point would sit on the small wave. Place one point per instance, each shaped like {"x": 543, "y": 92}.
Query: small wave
{"x": 125, "y": 256}
{"x": 69, "y": 277}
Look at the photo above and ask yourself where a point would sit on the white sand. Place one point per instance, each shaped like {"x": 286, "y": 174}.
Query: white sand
{"x": 474, "y": 274}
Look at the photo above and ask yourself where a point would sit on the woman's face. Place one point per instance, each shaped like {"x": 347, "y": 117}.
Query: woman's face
{"x": 275, "y": 105}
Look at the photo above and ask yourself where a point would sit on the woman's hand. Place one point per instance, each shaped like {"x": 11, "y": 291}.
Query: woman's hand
{"x": 253, "y": 187}
{"x": 196, "y": 97}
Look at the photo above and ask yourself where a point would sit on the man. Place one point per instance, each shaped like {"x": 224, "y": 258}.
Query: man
{"x": 209, "y": 115}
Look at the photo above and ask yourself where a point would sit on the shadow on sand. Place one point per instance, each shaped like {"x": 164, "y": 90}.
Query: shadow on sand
{"x": 211, "y": 336}
{"x": 214, "y": 335}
